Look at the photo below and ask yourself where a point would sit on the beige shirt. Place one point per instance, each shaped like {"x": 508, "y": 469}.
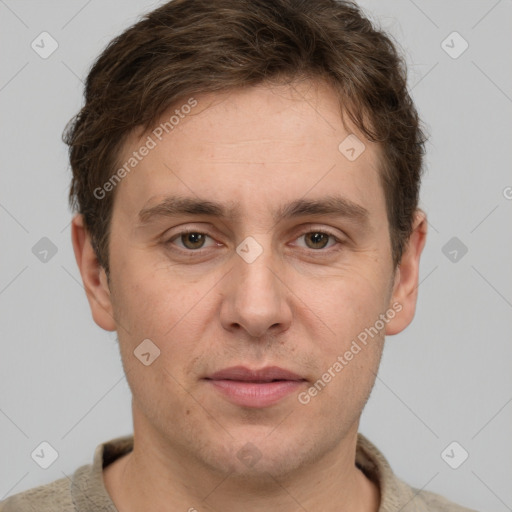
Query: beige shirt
{"x": 85, "y": 490}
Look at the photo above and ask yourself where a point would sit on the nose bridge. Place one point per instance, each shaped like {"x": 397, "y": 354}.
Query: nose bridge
{"x": 255, "y": 264}
{"x": 256, "y": 299}
{"x": 258, "y": 279}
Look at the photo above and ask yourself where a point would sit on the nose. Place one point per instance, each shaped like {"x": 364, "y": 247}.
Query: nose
{"x": 256, "y": 298}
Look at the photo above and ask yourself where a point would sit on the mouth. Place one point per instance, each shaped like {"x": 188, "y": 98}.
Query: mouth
{"x": 255, "y": 388}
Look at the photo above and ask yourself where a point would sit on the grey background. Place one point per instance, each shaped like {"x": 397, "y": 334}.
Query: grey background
{"x": 446, "y": 378}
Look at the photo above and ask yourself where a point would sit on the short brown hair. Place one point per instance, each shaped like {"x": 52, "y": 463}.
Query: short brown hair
{"x": 188, "y": 47}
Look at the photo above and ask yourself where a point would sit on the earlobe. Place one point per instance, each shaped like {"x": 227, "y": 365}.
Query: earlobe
{"x": 405, "y": 288}
{"x": 93, "y": 276}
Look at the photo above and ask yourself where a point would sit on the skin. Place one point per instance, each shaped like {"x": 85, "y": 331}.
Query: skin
{"x": 297, "y": 306}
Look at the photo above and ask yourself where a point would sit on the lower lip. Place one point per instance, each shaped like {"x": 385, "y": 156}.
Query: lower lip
{"x": 252, "y": 394}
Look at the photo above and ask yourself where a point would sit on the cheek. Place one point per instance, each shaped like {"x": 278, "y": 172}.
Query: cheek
{"x": 160, "y": 305}
{"x": 174, "y": 320}
{"x": 349, "y": 351}
{"x": 343, "y": 304}
{"x": 153, "y": 301}
{"x": 348, "y": 339}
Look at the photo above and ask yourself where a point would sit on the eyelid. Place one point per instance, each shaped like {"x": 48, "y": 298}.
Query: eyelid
{"x": 170, "y": 240}
{"x": 319, "y": 228}
{"x": 301, "y": 231}
{"x": 311, "y": 229}
{"x": 336, "y": 246}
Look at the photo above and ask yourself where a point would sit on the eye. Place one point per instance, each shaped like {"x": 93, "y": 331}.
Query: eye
{"x": 192, "y": 241}
{"x": 189, "y": 240}
{"x": 318, "y": 239}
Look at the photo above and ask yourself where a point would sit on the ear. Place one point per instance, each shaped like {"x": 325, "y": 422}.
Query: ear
{"x": 93, "y": 276}
{"x": 405, "y": 288}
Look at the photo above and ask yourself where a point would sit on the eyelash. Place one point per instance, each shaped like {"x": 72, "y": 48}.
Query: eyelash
{"x": 170, "y": 241}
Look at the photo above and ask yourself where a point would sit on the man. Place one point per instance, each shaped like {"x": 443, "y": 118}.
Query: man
{"x": 246, "y": 176}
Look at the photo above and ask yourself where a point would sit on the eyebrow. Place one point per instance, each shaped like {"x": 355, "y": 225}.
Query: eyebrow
{"x": 328, "y": 205}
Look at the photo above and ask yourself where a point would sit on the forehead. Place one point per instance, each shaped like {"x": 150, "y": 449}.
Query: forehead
{"x": 270, "y": 144}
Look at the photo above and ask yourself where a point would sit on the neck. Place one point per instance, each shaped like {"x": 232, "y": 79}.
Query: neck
{"x": 170, "y": 479}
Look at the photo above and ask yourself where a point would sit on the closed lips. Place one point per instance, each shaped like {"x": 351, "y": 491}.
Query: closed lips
{"x": 264, "y": 375}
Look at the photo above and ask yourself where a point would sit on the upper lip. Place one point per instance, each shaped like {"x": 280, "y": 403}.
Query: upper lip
{"x": 267, "y": 374}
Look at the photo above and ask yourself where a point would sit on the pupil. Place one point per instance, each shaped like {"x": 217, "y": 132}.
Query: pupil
{"x": 196, "y": 239}
{"x": 193, "y": 240}
{"x": 318, "y": 238}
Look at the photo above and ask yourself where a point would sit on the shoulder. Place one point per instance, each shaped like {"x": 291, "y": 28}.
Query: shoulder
{"x": 52, "y": 497}
{"x": 435, "y": 502}
{"x": 400, "y": 496}
{"x": 396, "y": 494}
{"x": 84, "y": 491}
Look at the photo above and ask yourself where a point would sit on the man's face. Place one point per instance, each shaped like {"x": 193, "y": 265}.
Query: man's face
{"x": 290, "y": 298}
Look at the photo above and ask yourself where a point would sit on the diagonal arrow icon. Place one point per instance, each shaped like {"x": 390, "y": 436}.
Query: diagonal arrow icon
{"x": 249, "y": 455}
{"x": 146, "y": 352}
{"x": 351, "y": 147}
{"x": 249, "y": 249}
{"x": 44, "y": 250}
{"x": 454, "y": 249}
{"x": 44, "y": 455}
{"x": 454, "y": 455}
{"x": 44, "y": 45}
